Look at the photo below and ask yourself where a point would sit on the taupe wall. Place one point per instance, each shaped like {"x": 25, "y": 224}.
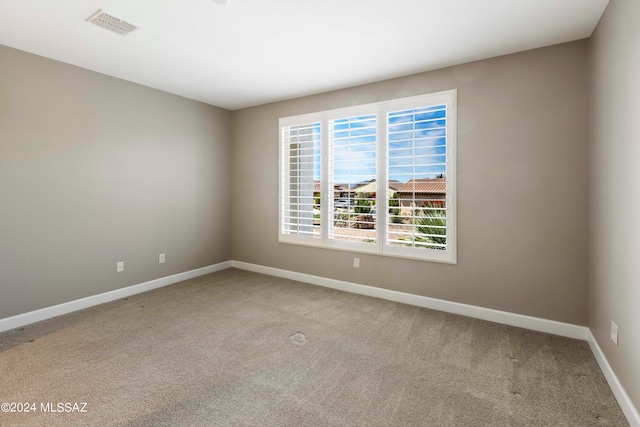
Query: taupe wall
{"x": 522, "y": 187}
{"x": 614, "y": 291}
{"x": 95, "y": 170}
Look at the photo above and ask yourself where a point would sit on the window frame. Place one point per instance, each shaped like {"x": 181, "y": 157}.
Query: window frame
{"x": 381, "y": 110}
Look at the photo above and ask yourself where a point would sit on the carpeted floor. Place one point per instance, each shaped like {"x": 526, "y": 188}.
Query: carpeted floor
{"x": 241, "y": 349}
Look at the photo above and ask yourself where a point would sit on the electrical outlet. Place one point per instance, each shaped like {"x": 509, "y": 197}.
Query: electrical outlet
{"x": 356, "y": 263}
{"x": 614, "y": 332}
{"x": 119, "y": 266}
{"x": 161, "y": 259}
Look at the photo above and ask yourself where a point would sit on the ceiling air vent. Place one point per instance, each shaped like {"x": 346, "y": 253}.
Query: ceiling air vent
{"x": 111, "y": 23}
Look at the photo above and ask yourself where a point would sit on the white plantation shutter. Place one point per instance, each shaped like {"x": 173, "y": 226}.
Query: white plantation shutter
{"x": 352, "y": 152}
{"x": 377, "y": 178}
{"x": 421, "y": 151}
{"x": 300, "y": 165}
{"x": 417, "y": 158}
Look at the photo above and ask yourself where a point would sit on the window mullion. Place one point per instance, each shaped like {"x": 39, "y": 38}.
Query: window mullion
{"x": 382, "y": 179}
{"x": 326, "y": 187}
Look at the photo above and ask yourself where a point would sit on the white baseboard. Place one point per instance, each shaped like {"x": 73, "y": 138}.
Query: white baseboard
{"x": 68, "y": 307}
{"x": 506, "y": 318}
{"x": 619, "y": 392}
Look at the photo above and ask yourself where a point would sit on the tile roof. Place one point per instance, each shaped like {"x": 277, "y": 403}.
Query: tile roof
{"x": 395, "y": 185}
{"x": 425, "y": 185}
{"x": 422, "y": 185}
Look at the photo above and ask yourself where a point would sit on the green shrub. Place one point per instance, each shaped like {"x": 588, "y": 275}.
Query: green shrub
{"x": 362, "y": 206}
{"x": 429, "y": 222}
{"x": 394, "y": 209}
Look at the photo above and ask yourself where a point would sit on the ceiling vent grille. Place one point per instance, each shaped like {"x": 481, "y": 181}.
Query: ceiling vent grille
{"x": 111, "y": 23}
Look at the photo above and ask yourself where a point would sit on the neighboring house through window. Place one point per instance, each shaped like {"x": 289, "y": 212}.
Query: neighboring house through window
{"x": 377, "y": 178}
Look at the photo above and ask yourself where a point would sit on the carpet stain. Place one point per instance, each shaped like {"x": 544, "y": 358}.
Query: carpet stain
{"x": 298, "y": 338}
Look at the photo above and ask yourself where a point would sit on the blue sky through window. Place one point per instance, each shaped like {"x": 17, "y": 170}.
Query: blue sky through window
{"x": 353, "y": 143}
{"x": 416, "y": 138}
{"x": 417, "y": 143}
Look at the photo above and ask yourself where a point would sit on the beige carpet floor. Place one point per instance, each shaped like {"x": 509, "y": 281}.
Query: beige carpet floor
{"x": 242, "y": 349}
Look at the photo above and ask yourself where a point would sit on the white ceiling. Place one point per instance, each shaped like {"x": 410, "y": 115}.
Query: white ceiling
{"x": 251, "y": 52}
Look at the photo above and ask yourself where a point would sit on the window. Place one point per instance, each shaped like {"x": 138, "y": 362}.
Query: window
{"x": 376, "y": 178}
{"x": 300, "y": 196}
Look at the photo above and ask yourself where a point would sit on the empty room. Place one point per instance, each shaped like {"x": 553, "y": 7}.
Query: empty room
{"x": 192, "y": 233}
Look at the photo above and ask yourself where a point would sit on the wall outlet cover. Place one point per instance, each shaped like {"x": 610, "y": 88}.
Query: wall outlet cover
{"x": 614, "y": 332}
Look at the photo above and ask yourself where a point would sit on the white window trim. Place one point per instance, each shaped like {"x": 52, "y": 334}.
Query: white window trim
{"x": 449, "y": 255}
